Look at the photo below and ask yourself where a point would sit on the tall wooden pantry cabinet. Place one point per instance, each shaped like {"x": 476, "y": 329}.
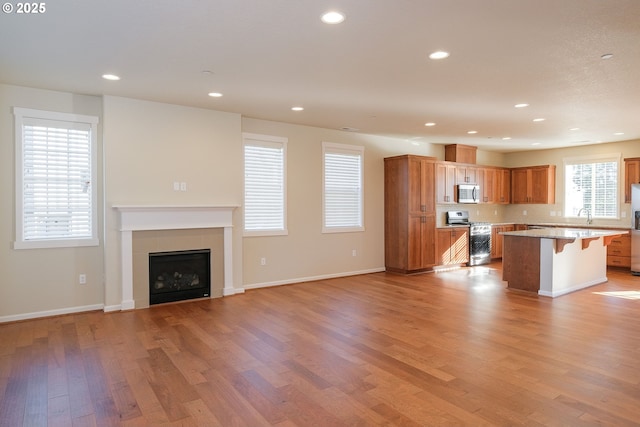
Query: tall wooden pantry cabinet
{"x": 410, "y": 213}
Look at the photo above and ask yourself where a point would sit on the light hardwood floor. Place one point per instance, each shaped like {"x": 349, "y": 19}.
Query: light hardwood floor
{"x": 453, "y": 348}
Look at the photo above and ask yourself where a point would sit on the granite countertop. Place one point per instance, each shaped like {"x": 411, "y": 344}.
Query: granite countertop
{"x": 565, "y": 233}
{"x": 579, "y": 225}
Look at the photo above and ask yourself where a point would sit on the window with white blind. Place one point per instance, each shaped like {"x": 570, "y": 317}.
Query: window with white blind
{"x": 55, "y": 179}
{"x": 342, "y": 188}
{"x": 591, "y": 186}
{"x": 265, "y": 189}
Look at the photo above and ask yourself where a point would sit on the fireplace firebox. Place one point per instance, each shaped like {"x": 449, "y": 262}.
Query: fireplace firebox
{"x": 179, "y": 275}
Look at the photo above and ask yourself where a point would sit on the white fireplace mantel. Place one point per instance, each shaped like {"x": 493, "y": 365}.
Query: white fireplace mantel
{"x": 157, "y": 217}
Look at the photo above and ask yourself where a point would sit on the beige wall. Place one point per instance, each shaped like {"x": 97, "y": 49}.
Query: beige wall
{"x": 43, "y": 280}
{"x": 146, "y": 146}
{"x": 307, "y": 253}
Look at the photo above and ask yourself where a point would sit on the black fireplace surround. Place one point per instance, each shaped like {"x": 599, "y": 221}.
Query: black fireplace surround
{"x": 179, "y": 275}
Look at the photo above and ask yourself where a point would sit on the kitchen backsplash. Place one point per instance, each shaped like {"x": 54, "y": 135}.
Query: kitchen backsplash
{"x": 522, "y": 213}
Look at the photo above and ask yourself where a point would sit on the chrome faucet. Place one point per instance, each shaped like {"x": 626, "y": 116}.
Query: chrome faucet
{"x": 588, "y": 214}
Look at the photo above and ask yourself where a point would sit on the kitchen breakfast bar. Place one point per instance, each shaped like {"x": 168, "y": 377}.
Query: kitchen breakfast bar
{"x": 555, "y": 261}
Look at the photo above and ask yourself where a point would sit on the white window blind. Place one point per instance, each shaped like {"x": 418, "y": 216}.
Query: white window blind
{"x": 55, "y": 177}
{"x": 592, "y": 184}
{"x": 264, "y": 185}
{"x": 343, "y": 187}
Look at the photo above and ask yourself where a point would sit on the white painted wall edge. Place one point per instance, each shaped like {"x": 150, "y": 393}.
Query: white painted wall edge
{"x": 49, "y": 313}
{"x": 312, "y": 278}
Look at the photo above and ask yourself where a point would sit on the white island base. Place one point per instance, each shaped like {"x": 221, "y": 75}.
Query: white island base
{"x": 572, "y": 269}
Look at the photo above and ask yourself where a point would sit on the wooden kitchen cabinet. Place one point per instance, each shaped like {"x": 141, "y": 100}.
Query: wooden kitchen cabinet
{"x": 452, "y": 245}
{"x": 460, "y": 153}
{"x": 631, "y": 176}
{"x": 503, "y": 185}
{"x": 534, "y": 184}
{"x": 619, "y": 251}
{"x": 410, "y": 213}
{"x": 488, "y": 185}
{"x": 495, "y": 185}
{"x": 466, "y": 174}
{"x": 445, "y": 182}
{"x": 497, "y": 239}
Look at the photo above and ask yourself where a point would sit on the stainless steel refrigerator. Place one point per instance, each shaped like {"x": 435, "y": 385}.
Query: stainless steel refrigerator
{"x": 635, "y": 229}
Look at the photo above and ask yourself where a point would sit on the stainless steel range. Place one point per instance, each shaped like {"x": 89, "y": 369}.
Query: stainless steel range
{"x": 479, "y": 243}
{"x": 479, "y": 237}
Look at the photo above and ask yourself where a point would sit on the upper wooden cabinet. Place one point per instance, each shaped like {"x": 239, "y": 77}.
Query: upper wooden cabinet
{"x": 460, "y": 153}
{"x": 631, "y": 176}
{"x": 409, "y": 213}
{"x": 535, "y": 184}
{"x": 466, "y": 174}
{"x": 445, "y": 182}
{"x": 495, "y": 185}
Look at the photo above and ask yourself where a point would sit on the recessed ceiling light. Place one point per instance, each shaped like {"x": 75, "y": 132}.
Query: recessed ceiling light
{"x": 574, "y": 129}
{"x": 607, "y": 56}
{"x": 332, "y": 17}
{"x": 112, "y": 77}
{"x": 297, "y": 108}
{"x": 536, "y": 143}
{"x": 471, "y": 132}
{"x": 439, "y": 54}
{"x": 506, "y": 138}
{"x": 349, "y": 129}
{"x": 539, "y": 119}
{"x": 215, "y": 94}
{"x": 207, "y": 72}
{"x": 521, "y": 105}
{"x": 619, "y": 133}
{"x": 429, "y": 124}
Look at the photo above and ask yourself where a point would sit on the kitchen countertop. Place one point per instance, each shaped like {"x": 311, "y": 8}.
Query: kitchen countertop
{"x": 565, "y": 233}
{"x": 547, "y": 224}
{"x": 578, "y": 225}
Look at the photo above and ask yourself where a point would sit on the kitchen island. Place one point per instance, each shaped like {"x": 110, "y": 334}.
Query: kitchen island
{"x": 555, "y": 261}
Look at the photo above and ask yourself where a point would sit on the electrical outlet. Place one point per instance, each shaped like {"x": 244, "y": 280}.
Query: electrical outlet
{"x": 82, "y": 279}
{"x": 263, "y": 261}
{"x": 524, "y": 212}
{"x": 176, "y": 186}
{"x": 183, "y": 186}
{"x": 552, "y": 213}
{"x": 623, "y": 214}
{"x": 354, "y": 253}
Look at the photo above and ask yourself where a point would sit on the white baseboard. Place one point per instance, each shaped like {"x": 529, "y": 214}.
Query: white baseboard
{"x": 119, "y": 307}
{"x": 111, "y": 308}
{"x": 49, "y": 313}
{"x": 312, "y": 278}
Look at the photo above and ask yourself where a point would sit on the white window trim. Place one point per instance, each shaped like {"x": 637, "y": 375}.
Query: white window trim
{"x": 20, "y": 114}
{"x": 352, "y": 150}
{"x": 593, "y": 158}
{"x": 258, "y": 139}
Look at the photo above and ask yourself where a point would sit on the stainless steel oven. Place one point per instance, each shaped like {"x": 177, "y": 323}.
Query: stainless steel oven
{"x": 479, "y": 237}
{"x": 479, "y": 243}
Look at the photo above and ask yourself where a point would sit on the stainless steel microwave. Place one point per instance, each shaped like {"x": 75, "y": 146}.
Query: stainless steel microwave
{"x": 468, "y": 193}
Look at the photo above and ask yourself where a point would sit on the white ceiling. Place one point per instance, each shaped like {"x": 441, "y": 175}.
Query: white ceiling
{"x": 371, "y": 73}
